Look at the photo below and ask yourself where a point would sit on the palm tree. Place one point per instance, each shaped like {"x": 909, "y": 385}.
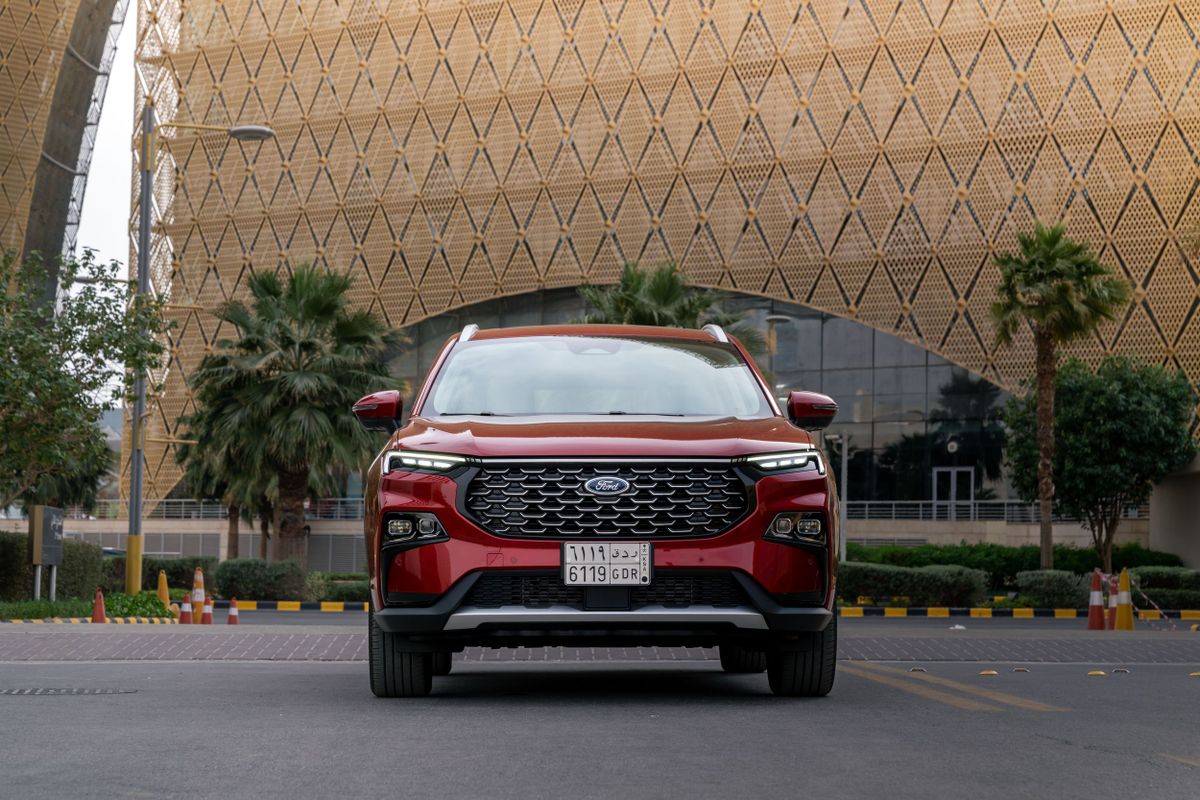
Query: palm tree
{"x": 661, "y": 296}
{"x": 1056, "y": 286}
{"x": 281, "y": 391}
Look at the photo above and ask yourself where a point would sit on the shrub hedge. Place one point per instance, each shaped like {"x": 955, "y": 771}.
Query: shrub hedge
{"x": 78, "y": 576}
{"x": 180, "y": 571}
{"x": 1053, "y": 588}
{"x": 1002, "y": 563}
{"x": 349, "y": 591}
{"x": 252, "y": 579}
{"x": 934, "y": 585}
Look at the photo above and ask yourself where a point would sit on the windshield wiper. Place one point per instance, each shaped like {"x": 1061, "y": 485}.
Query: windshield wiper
{"x": 471, "y": 414}
{"x": 643, "y": 414}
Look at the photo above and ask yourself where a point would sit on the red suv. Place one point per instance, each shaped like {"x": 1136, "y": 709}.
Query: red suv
{"x": 600, "y": 485}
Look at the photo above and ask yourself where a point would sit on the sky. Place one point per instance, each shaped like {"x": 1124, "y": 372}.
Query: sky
{"x": 104, "y": 219}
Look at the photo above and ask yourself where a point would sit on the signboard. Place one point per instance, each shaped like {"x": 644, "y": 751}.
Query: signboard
{"x": 45, "y": 536}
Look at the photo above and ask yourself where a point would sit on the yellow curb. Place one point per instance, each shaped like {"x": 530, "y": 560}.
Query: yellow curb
{"x": 981, "y": 613}
{"x": 895, "y": 612}
{"x": 286, "y": 605}
{"x": 1064, "y": 613}
{"x": 247, "y": 605}
{"x": 1149, "y": 614}
{"x": 937, "y": 612}
{"x": 1189, "y": 614}
{"x": 1022, "y": 613}
{"x": 330, "y": 605}
{"x": 852, "y": 612}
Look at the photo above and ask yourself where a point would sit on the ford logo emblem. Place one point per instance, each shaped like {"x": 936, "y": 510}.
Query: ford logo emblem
{"x": 607, "y": 485}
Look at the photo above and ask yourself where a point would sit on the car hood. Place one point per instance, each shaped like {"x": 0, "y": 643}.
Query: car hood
{"x": 566, "y": 436}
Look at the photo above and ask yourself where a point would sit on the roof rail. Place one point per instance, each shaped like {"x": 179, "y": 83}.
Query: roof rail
{"x": 717, "y": 332}
{"x": 468, "y": 332}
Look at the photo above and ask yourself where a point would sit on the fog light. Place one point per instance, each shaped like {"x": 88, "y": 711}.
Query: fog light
{"x": 783, "y": 526}
{"x": 400, "y": 528}
{"x": 427, "y": 526}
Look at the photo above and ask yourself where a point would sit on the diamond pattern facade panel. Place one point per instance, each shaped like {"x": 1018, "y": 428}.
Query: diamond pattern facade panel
{"x": 33, "y": 39}
{"x": 866, "y": 158}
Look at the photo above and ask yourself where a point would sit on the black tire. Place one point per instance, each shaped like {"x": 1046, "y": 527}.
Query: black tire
{"x": 805, "y": 673}
{"x": 394, "y": 672}
{"x": 442, "y": 663}
{"x": 738, "y": 660}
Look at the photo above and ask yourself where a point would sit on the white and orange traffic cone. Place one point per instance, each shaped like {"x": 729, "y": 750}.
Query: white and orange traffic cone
{"x": 185, "y": 611}
{"x": 206, "y": 615}
{"x": 1124, "y": 603}
{"x": 233, "y": 612}
{"x": 1096, "y": 604}
{"x": 1110, "y": 620}
{"x": 98, "y": 614}
{"x": 197, "y": 595}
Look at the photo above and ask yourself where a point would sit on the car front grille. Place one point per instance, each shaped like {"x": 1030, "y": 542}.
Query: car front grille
{"x": 549, "y": 501}
{"x": 542, "y": 590}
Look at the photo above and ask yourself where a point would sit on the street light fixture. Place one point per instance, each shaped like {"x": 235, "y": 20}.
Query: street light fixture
{"x": 844, "y": 491}
{"x": 242, "y": 133}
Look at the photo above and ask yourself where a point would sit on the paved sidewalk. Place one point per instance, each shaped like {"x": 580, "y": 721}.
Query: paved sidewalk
{"x": 327, "y": 643}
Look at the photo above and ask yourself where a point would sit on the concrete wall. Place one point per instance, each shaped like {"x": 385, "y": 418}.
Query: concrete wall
{"x": 1175, "y": 514}
{"x": 914, "y": 532}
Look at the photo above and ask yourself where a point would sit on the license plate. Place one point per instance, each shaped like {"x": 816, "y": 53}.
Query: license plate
{"x": 606, "y": 563}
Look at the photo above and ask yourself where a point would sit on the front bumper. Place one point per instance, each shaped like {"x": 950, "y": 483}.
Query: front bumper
{"x": 449, "y": 617}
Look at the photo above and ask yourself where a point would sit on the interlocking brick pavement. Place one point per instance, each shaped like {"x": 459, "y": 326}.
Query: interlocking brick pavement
{"x": 279, "y": 644}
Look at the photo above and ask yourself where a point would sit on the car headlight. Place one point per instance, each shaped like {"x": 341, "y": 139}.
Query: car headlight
{"x": 418, "y": 527}
{"x": 794, "y": 527}
{"x": 416, "y": 461}
{"x": 793, "y": 461}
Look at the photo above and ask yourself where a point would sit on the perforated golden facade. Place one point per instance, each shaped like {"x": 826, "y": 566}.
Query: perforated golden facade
{"x": 33, "y": 38}
{"x": 864, "y": 158}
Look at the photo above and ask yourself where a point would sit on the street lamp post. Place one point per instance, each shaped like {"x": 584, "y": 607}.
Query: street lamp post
{"x": 247, "y": 133}
{"x": 844, "y": 491}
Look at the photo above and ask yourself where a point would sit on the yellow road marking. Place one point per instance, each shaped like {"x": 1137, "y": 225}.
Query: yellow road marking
{"x": 288, "y": 605}
{"x": 964, "y": 703}
{"x": 1022, "y": 613}
{"x": 895, "y": 612}
{"x": 1191, "y": 761}
{"x": 937, "y": 612}
{"x": 990, "y": 694}
{"x": 1064, "y": 613}
{"x": 247, "y": 605}
{"x": 981, "y": 613}
{"x": 1189, "y": 614}
{"x": 330, "y": 605}
{"x": 852, "y": 612}
{"x": 1149, "y": 614}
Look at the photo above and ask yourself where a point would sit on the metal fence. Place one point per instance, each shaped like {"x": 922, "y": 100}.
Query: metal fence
{"x": 351, "y": 508}
{"x": 1010, "y": 511}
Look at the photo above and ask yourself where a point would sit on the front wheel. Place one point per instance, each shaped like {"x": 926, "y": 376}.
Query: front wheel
{"x": 395, "y": 672}
{"x": 805, "y": 673}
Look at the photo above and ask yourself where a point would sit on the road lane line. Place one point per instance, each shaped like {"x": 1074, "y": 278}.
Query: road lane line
{"x": 964, "y": 703}
{"x": 990, "y": 694}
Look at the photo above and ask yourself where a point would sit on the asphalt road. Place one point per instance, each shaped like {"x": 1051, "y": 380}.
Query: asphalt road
{"x": 642, "y": 729}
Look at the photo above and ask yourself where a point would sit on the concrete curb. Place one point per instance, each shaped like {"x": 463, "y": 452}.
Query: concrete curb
{"x": 88, "y": 621}
{"x": 988, "y": 613}
{"x": 334, "y": 607}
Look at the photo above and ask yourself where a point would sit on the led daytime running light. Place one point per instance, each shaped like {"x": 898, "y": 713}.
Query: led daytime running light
{"x": 794, "y": 460}
{"x": 413, "y": 460}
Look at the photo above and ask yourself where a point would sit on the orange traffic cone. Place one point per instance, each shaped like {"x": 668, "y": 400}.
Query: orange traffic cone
{"x": 1096, "y": 605}
{"x": 197, "y": 595}
{"x": 206, "y": 616}
{"x": 98, "y": 614}
{"x": 185, "y": 612}
{"x": 233, "y": 612}
{"x": 1110, "y": 622}
{"x": 1124, "y": 604}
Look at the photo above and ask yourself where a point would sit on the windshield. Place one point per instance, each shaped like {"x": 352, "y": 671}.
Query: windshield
{"x": 596, "y": 375}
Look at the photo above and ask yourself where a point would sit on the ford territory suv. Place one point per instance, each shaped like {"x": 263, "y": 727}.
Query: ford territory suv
{"x": 600, "y": 485}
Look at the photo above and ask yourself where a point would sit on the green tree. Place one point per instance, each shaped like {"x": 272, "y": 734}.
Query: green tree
{"x": 1055, "y": 286}
{"x": 62, "y": 365}
{"x": 661, "y": 296}
{"x": 1118, "y": 431}
{"x": 274, "y": 402}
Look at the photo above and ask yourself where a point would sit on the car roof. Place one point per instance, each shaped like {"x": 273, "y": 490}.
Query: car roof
{"x": 647, "y": 331}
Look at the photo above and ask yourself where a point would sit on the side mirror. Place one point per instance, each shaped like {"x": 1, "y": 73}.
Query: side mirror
{"x": 379, "y": 411}
{"x": 811, "y": 411}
